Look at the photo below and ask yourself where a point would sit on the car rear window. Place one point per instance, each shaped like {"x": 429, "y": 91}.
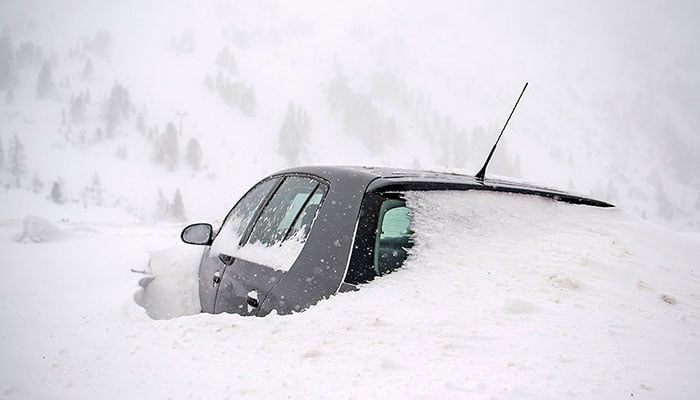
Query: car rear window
{"x": 382, "y": 239}
{"x": 394, "y": 236}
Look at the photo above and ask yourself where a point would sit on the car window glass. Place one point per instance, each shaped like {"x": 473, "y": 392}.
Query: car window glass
{"x": 280, "y": 232}
{"x": 282, "y": 210}
{"x": 236, "y": 223}
{"x": 393, "y": 236}
{"x": 306, "y": 218}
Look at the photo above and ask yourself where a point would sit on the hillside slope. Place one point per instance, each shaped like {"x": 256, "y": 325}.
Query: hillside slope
{"x": 106, "y": 99}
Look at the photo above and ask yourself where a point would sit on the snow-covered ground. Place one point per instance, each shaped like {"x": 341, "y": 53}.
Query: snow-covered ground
{"x": 122, "y": 121}
{"x": 503, "y": 296}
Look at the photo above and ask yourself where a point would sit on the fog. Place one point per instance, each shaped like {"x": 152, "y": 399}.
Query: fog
{"x": 121, "y": 105}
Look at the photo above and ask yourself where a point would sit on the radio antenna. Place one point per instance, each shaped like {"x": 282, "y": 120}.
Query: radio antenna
{"x": 480, "y": 175}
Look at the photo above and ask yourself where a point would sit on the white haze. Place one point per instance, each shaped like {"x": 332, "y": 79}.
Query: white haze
{"x": 611, "y": 110}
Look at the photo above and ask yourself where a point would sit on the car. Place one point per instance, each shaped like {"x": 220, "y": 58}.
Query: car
{"x": 304, "y": 234}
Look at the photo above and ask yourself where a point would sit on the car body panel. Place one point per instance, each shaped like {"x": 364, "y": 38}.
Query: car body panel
{"x": 242, "y": 282}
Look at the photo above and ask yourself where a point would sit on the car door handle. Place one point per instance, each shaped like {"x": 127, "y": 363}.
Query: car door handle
{"x": 226, "y": 259}
{"x": 252, "y": 298}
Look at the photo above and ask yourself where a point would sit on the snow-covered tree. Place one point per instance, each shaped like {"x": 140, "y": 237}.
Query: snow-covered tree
{"x": 88, "y": 70}
{"x": 226, "y": 60}
{"x": 116, "y": 108}
{"x": 209, "y": 82}
{"x": 28, "y": 55}
{"x": 16, "y": 160}
{"x": 237, "y": 94}
{"x": 294, "y": 134}
{"x": 77, "y": 109}
{"x": 184, "y": 43}
{"x": 45, "y": 86}
{"x": 99, "y": 134}
{"x": 194, "y": 154}
{"x": 93, "y": 193}
{"x": 360, "y": 115}
{"x": 2, "y": 155}
{"x": 174, "y": 209}
{"x": 141, "y": 121}
{"x": 162, "y": 206}
{"x": 166, "y": 148}
{"x": 177, "y": 208}
{"x": 7, "y": 63}
{"x": 57, "y": 193}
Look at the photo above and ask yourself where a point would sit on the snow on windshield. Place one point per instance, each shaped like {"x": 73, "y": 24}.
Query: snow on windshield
{"x": 279, "y": 255}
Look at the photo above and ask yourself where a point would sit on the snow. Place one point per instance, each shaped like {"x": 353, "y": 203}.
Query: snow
{"x": 280, "y": 255}
{"x": 170, "y": 286}
{"x": 503, "y": 296}
{"x": 35, "y": 229}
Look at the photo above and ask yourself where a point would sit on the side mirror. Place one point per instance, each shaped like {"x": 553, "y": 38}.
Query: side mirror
{"x": 200, "y": 234}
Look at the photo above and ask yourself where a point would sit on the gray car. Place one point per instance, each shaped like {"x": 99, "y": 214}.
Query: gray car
{"x": 304, "y": 234}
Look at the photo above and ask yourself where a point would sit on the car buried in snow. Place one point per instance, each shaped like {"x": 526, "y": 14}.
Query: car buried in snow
{"x": 304, "y": 234}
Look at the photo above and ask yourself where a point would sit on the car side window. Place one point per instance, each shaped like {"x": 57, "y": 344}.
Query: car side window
{"x": 290, "y": 210}
{"x": 302, "y": 226}
{"x": 233, "y": 229}
{"x": 394, "y": 236}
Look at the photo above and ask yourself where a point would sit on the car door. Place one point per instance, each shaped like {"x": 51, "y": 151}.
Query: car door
{"x": 272, "y": 245}
{"x": 217, "y": 258}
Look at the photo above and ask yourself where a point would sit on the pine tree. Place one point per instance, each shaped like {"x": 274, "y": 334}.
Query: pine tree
{"x": 99, "y": 134}
{"x": 7, "y": 63}
{"x": 194, "y": 154}
{"x": 16, "y": 159}
{"x": 141, "y": 121}
{"x": 168, "y": 151}
{"x": 92, "y": 194}
{"x": 77, "y": 109}
{"x": 87, "y": 70}
{"x": 116, "y": 108}
{"x": 45, "y": 86}
{"x": 177, "y": 208}
{"x": 28, "y": 55}
{"x": 37, "y": 184}
{"x": 293, "y": 134}
{"x": 2, "y": 156}
{"x": 162, "y": 206}
{"x": 57, "y": 193}
{"x": 226, "y": 60}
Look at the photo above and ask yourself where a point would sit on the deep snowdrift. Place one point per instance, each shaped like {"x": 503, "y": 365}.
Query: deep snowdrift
{"x": 504, "y": 296}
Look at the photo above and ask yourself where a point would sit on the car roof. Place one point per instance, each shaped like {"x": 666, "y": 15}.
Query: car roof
{"x": 387, "y": 179}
